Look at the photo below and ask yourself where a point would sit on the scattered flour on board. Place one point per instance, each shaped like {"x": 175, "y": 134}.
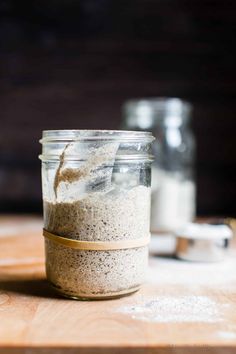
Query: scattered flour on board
{"x": 227, "y": 335}
{"x": 174, "y": 272}
{"x": 164, "y": 309}
{"x": 21, "y": 226}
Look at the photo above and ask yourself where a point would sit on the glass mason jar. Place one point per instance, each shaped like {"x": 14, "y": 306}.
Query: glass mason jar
{"x": 173, "y": 183}
{"x": 96, "y": 198}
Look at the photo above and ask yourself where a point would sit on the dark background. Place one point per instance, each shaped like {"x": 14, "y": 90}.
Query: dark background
{"x": 71, "y": 64}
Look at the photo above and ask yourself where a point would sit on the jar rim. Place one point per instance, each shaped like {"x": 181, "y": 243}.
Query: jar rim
{"x": 92, "y": 134}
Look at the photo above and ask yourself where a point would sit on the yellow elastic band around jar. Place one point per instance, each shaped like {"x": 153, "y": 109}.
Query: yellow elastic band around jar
{"x": 97, "y": 245}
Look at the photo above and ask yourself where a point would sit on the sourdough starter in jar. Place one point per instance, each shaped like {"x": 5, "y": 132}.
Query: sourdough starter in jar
{"x": 102, "y": 199}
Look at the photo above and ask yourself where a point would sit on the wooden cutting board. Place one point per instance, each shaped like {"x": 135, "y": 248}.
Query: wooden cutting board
{"x": 183, "y": 308}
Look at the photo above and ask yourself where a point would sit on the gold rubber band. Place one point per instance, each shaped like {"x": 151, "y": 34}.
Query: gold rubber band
{"x": 97, "y": 245}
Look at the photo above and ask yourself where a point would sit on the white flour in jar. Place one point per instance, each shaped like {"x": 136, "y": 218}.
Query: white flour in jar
{"x": 173, "y": 201}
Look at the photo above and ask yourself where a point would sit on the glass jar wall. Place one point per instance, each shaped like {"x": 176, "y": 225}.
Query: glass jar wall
{"x": 96, "y": 195}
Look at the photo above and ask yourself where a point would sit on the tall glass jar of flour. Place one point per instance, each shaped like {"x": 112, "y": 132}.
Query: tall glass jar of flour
{"x": 173, "y": 184}
{"x": 96, "y": 197}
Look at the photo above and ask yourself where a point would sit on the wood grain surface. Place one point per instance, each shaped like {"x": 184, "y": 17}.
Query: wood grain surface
{"x": 183, "y": 308}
